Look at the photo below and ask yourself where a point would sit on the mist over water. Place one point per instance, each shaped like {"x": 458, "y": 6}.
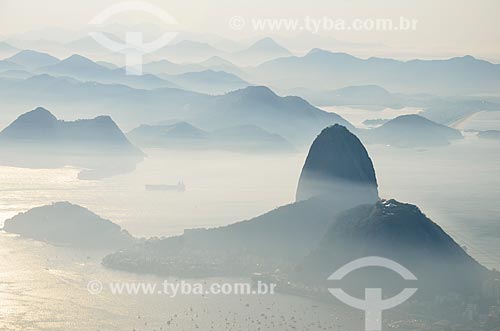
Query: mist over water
{"x": 221, "y": 188}
{"x": 225, "y": 187}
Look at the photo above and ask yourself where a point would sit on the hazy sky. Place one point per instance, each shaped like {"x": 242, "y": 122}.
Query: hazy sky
{"x": 444, "y": 27}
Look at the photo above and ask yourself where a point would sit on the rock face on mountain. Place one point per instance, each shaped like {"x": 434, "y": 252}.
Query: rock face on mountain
{"x": 400, "y": 232}
{"x": 63, "y": 223}
{"x": 338, "y": 165}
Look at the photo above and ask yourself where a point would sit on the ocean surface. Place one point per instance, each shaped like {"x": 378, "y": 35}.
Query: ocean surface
{"x": 43, "y": 287}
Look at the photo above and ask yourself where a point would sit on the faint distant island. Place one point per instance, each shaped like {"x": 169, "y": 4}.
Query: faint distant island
{"x": 411, "y": 131}
{"x": 63, "y": 223}
{"x": 182, "y": 135}
{"x": 37, "y": 139}
{"x": 489, "y": 134}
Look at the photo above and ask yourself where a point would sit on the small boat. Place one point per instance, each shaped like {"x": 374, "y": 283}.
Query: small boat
{"x": 180, "y": 187}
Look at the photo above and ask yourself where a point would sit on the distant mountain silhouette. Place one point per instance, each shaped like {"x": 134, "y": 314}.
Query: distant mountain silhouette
{"x": 7, "y": 65}
{"x": 182, "y": 135}
{"x": 339, "y": 165}
{"x": 84, "y": 69}
{"x": 91, "y": 99}
{"x": 63, "y": 223}
{"x": 410, "y": 131}
{"x": 262, "y": 50}
{"x": 208, "y": 81}
{"x": 367, "y": 95}
{"x": 170, "y": 68}
{"x": 291, "y": 117}
{"x": 217, "y": 63}
{"x": 6, "y": 49}
{"x": 108, "y": 65}
{"x": 32, "y": 59}
{"x": 38, "y": 139}
{"x": 189, "y": 51}
{"x": 76, "y": 65}
{"x": 174, "y": 135}
{"x": 250, "y": 138}
{"x": 86, "y": 45}
{"x": 15, "y": 74}
{"x": 461, "y": 75}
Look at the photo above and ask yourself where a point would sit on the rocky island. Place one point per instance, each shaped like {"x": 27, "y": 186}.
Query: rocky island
{"x": 63, "y": 223}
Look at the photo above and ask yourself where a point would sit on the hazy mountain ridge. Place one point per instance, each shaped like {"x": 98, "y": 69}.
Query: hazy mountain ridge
{"x": 31, "y": 59}
{"x": 260, "y": 51}
{"x": 197, "y": 77}
{"x": 6, "y": 65}
{"x": 6, "y": 49}
{"x": 208, "y": 81}
{"x": 84, "y": 69}
{"x": 453, "y": 76}
{"x": 291, "y": 117}
{"x": 182, "y": 135}
{"x": 259, "y": 106}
